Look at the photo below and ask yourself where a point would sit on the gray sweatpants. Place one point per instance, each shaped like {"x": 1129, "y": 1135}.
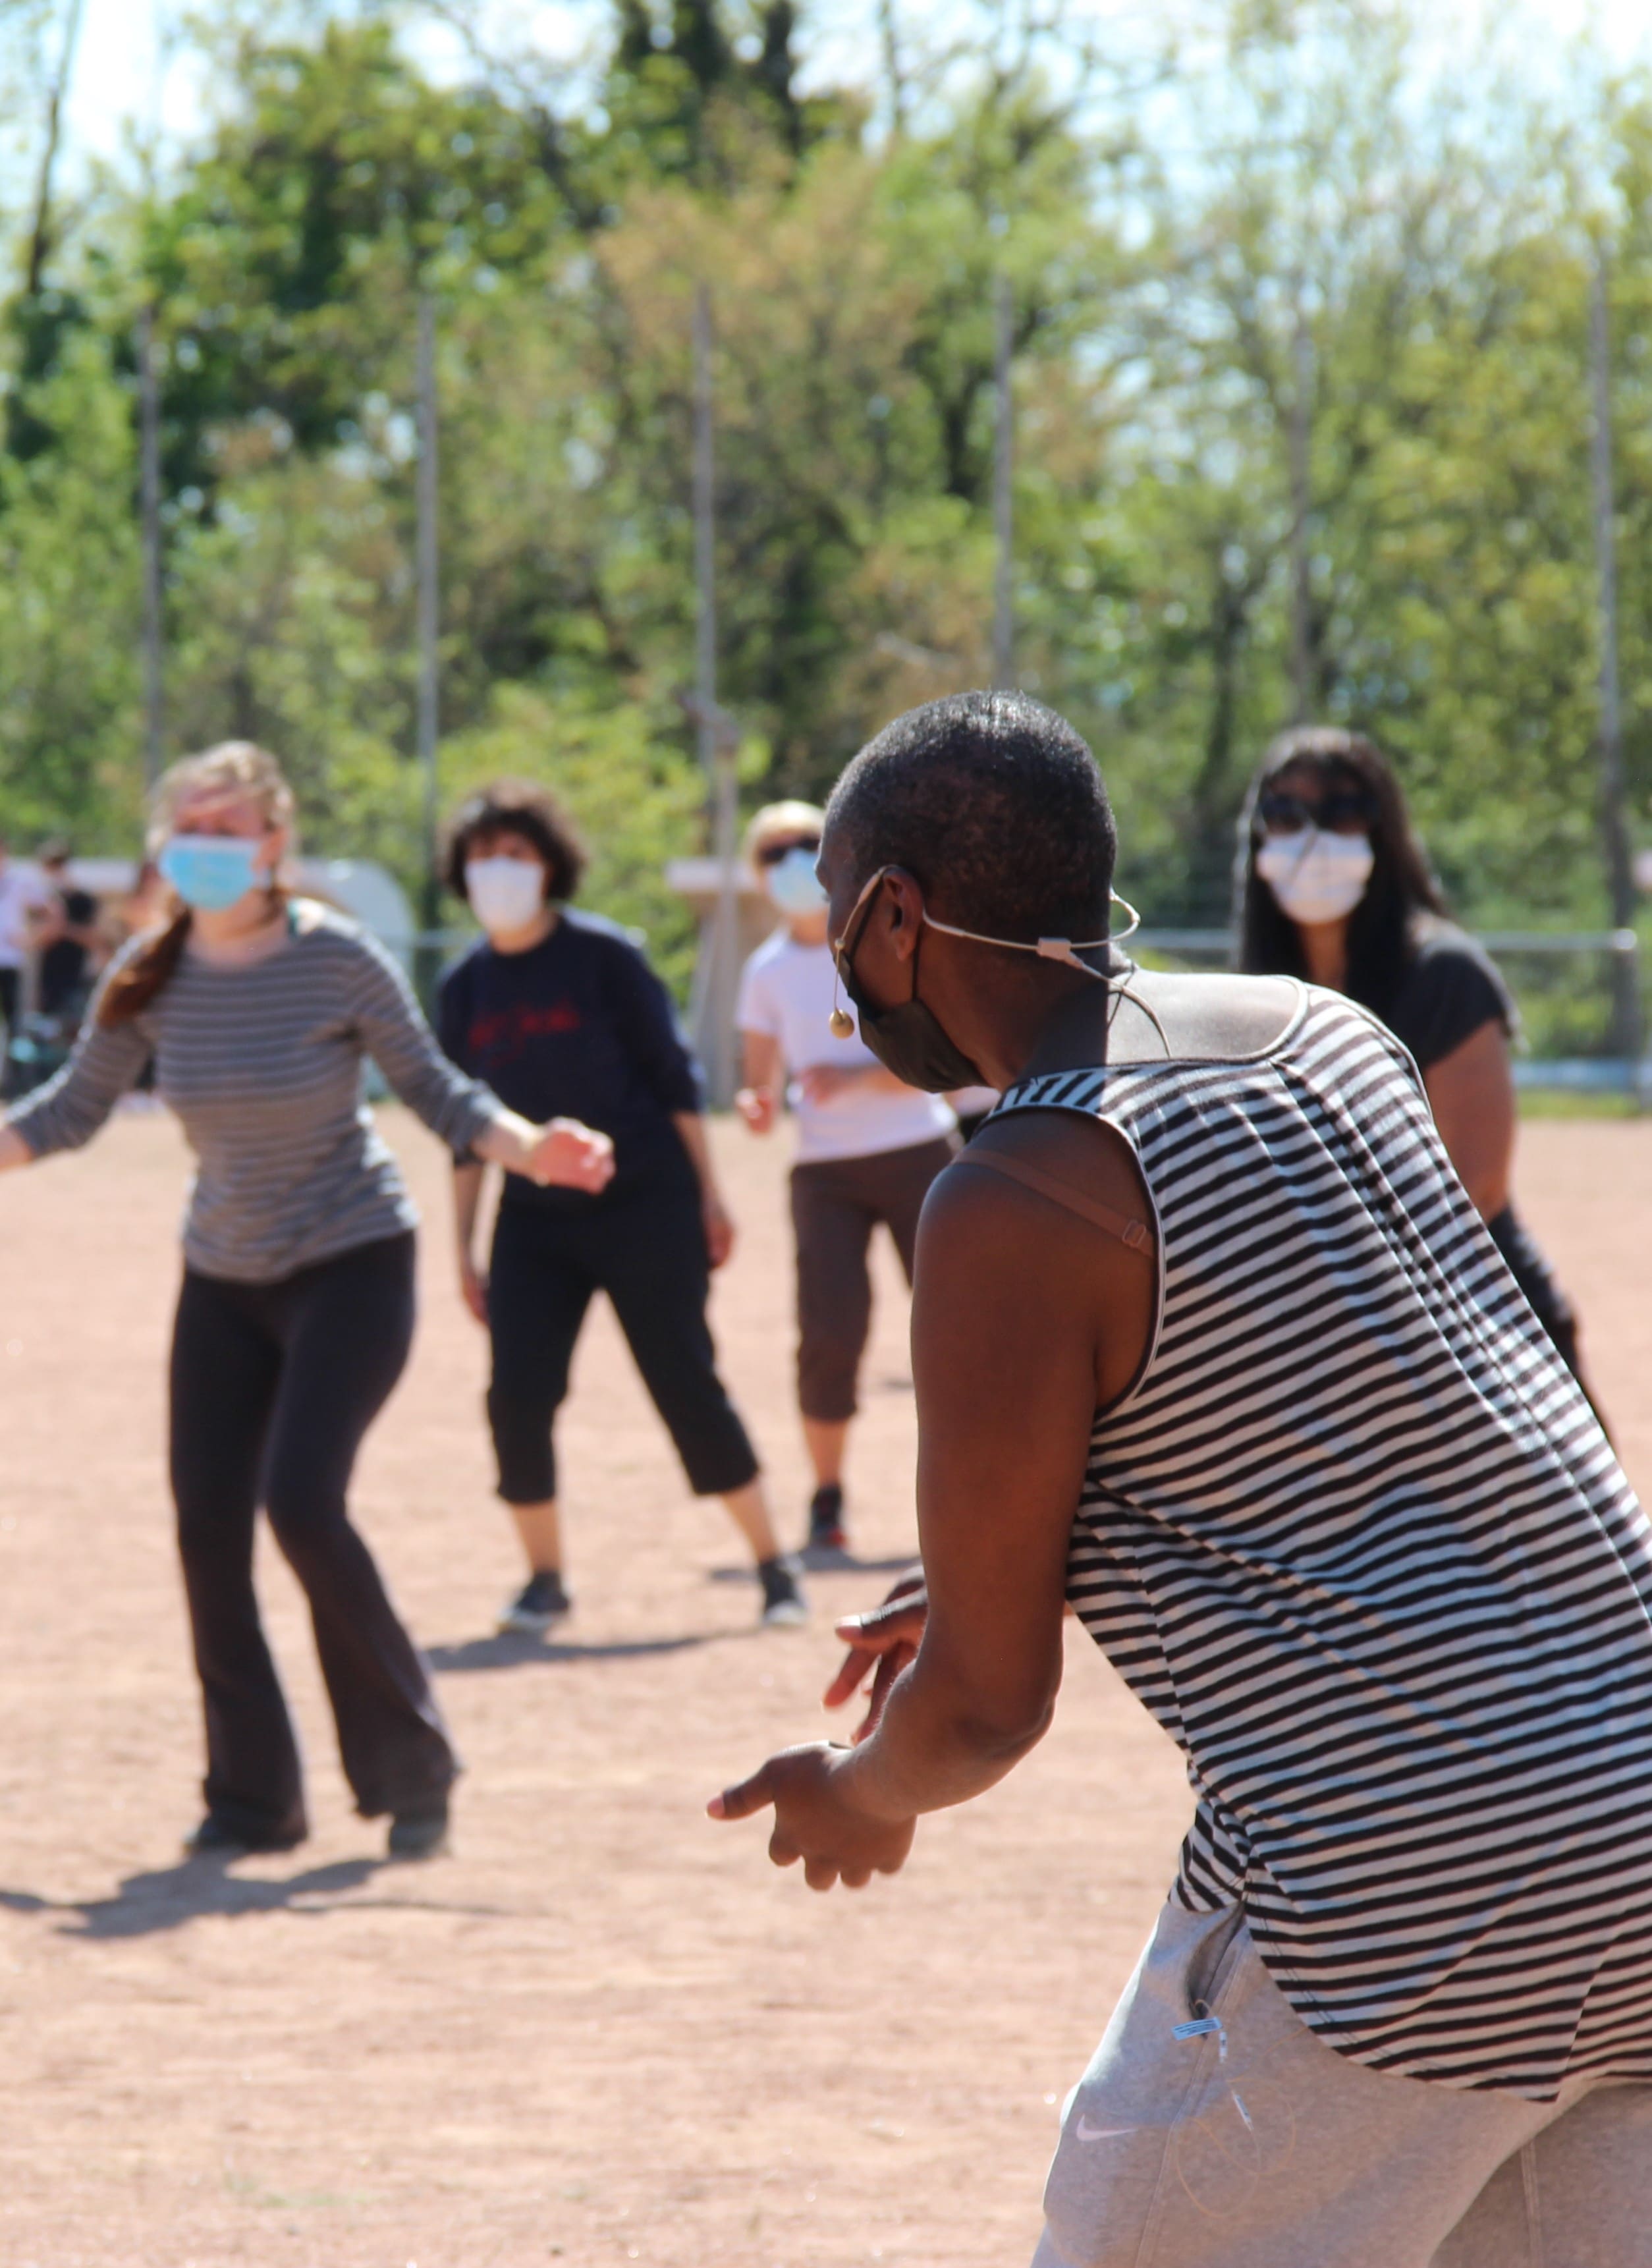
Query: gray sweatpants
{"x": 1255, "y": 2145}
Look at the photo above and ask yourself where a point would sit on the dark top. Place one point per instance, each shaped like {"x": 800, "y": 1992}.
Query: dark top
{"x": 578, "y": 1028}
{"x": 1449, "y": 990}
{"x": 62, "y": 970}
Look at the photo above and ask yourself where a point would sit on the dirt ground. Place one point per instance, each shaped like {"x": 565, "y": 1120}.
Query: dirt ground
{"x": 605, "y": 2030}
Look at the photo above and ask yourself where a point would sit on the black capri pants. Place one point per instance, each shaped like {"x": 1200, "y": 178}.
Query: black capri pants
{"x": 645, "y": 1248}
{"x": 273, "y": 1387}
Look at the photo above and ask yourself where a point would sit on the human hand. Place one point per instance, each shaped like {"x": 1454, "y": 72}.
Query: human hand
{"x": 818, "y": 1819}
{"x": 821, "y": 1081}
{"x": 569, "y": 1155}
{"x": 473, "y": 1287}
{"x": 755, "y": 1106}
{"x": 881, "y": 1641}
{"x": 719, "y": 1229}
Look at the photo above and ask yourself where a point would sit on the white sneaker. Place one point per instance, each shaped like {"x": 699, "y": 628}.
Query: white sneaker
{"x": 784, "y": 1605}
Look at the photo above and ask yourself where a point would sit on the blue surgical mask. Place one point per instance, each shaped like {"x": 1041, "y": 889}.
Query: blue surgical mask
{"x": 212, "y": 873}
{"x": 793, "y": 884}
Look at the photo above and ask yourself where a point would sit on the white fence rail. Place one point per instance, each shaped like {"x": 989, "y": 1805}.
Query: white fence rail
{"x": 1537, "y": 1070}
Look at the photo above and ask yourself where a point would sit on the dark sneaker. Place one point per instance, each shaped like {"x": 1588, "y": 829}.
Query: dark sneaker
{"x": 218, "y": 1837}
{"x": 538, "y": 1607}
{"x": 784, "y": 1605}
{"x": 826, "y": 1529}
{"x": 421, "y": 1834}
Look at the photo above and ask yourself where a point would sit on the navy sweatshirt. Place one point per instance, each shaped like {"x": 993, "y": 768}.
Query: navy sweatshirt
{"x": 578, "y": 1028}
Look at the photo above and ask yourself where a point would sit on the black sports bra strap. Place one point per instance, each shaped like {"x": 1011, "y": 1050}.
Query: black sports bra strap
{"x": 1134, "y": 1234}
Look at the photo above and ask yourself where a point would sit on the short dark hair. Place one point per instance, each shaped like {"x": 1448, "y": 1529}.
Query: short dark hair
{"x": 992, "y": 803}
{"x": 1401, "y": 895}
{"x": 524, "y": 809}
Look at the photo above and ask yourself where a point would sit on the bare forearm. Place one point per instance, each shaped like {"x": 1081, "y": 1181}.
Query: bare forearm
{"x": 936, "y": 1745}
{"x": 1471, "y": 1093}
{"x": 467, "y": 1203}
{"x": 692, "y": 1129}
{"x": 508, "y": 1142}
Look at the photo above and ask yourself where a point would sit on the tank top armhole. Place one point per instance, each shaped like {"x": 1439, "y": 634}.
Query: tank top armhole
{"x": 1087, "y": 1110}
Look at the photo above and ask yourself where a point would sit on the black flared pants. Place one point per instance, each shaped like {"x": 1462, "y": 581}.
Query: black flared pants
{"x": 273, "y": 1387}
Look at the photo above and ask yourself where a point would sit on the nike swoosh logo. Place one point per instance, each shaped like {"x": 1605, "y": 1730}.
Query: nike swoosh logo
{"x": 1088, "y": 2133}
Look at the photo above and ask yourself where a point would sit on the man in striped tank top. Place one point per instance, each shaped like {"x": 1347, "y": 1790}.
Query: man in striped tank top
{"x": 1209, "y": 1343}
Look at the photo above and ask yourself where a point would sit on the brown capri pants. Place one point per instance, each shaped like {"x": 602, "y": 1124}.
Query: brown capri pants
{"x": 836, "y": 1204}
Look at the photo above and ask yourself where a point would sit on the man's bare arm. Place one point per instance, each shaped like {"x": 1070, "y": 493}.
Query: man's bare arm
{"x": 1024, "y": 1316}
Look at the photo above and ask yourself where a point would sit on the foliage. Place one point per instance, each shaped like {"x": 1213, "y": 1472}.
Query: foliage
{"x": 1308, "y": 239}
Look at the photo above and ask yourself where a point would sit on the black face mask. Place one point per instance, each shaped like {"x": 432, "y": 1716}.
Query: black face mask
{"x": 906, "y": 1039}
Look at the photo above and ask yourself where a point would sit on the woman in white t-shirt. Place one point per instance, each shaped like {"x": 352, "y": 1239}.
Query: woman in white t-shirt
{"x": 868, "y": 1147}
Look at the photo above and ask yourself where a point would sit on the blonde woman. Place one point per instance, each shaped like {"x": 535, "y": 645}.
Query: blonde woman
{"x": 296, "y": 1313}
{"x": 868, "y": 1146}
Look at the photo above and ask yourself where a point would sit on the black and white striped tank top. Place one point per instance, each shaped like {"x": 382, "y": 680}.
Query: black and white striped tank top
{"x": 1356, "y": 1539}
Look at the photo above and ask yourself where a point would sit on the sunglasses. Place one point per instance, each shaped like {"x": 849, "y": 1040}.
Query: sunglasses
{"x": 772, "y": 853}
{"x": 1340, "y": 811}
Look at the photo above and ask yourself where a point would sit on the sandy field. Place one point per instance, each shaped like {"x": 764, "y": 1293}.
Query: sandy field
{"x": 604, "y": 2029}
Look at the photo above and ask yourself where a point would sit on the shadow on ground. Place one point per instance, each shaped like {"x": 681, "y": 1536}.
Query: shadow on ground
{"x": 514, "y": 1650}
{"x": 818, "y": 1559}
{"x": 167, "y": 1898}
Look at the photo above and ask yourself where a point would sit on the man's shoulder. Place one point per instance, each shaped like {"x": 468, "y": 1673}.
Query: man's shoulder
{"x": 1040, "y": 1190}
{"x": 1202, "y": 1018}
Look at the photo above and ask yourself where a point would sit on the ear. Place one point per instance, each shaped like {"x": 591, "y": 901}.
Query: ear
{"x": 900, "y": 912}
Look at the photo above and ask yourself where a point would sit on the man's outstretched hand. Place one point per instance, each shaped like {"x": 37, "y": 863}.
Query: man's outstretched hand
{"x": 817, "y": 1819}
{"x": 880, "y": 1642}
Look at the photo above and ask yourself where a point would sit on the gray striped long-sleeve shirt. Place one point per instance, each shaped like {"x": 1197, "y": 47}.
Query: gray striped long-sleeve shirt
{"x": 263, "y": 1064}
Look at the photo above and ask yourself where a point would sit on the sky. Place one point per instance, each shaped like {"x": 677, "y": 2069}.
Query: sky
{"x": 123, "y": 78}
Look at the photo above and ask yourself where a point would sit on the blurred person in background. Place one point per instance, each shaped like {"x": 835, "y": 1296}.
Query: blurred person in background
{"x": 24, "y": 899}
{"x": 295, "y": 1313}
{"x": 67, "y": 939}
{"x": 560, "y": 1009}
{"x": 868, "y": 1146}
{"x": 1333, "y": 885}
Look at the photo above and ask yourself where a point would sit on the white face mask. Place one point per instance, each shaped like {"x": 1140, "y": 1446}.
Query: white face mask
{"x": 1317, "y": 877}
{"x": 505, "y": 894}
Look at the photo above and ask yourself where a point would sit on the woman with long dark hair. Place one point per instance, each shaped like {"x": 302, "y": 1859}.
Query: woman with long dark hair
{"x": 296, "y": 1314}
{"x": 1331, "y": 884}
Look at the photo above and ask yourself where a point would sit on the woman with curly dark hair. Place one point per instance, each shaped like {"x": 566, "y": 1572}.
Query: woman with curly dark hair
{"x": 1332, "y": 884}
{"x": 553, "y": 1002}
